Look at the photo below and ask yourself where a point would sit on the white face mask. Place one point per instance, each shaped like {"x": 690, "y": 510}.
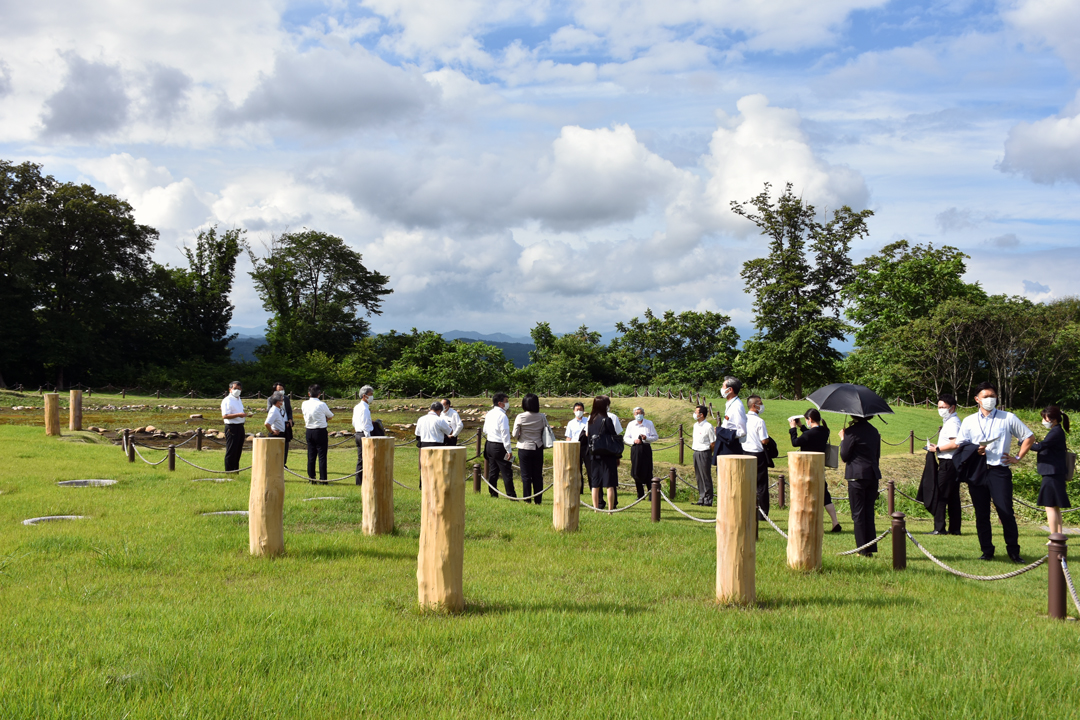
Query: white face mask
{"x": 760, "y": 409}
{"x": 236, "y": 393}
{"x": 1047, "y": 424}
{"x": 639, "y": 417}
{"x": 988, "y": 403}
{"x": 944, "y": 412}
{"x": 579, "y": 414}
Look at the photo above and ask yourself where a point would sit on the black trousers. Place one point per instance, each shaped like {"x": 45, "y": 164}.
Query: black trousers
{"x": 359, "y": 458}
{"x": 641, "y": 467}
{"x": 288, "y": 439}
{"x": 862, "y": 494}
{"x": 234, "y": 445}
{"x": 762, "y": 481}
{"x": 317, "y": 444}
{"x": 998, "y": 488}
{"x": 448, "y": 440}
{"x": 947, "y": 499}
{"x": 703, "y": 470}
{"x": 532, "y": 473}
{"x": 498, "y": 465}
{"x": 583, "y": 460}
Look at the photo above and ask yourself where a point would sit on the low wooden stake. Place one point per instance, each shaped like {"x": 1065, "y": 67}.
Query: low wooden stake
{"x": 52, "y": 414}
{"x": 75, "y": 411}
{"x": 440, "y": 561}
{"x": 806, "y": 527}
{"x": 266, "y": 535}
{"x": 566, "y": 477}
{"x": 736, "y": 522}
{"x": 378, "y": 487}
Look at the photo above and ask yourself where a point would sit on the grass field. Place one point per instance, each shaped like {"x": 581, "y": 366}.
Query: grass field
{"x": 146, "y": 608}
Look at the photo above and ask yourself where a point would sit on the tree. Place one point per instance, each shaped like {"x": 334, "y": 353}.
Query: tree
{"x": 797, "y": 302}
{"x": 691, "y": 348}
{"x": 575, "y": 362}
{"x": 902, "y": 283}
{"x": 196, "y": 299}
{"x": 318, "y": 290}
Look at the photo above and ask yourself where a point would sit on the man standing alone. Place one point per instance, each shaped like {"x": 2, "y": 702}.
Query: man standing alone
{"x": 497, "y": 448}
{"x": 362, "y": 426}
{"x": 232, "y": 412}
{"x": 994, "y": 430}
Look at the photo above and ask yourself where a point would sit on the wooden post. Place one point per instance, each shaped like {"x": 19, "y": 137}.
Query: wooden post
{"x": 566, "y": 476}
{"x": 123, "y": 393}
{"x": 129, "y": 445}
{"x": 198, "y": 438}
{"x": 172, "y": 460}
{"x": 911, "y": 443}
{"x": 75, "y": 411}
{"x": 440, "y": 561}
{"x": 736, "y": 521}
{"x": 476, "y": 478}
{"x": 671, "y": 484}
{"x": 378, "y": 487}
{"x": 682, "y": 445}
{"x": 266, "y": 535}
{"x": 806, "y": 528}
{"x": 52, "y": 414}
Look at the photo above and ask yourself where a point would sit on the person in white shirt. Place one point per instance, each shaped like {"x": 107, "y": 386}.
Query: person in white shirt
{"x": 450, "y": 415}
{"x": 362, "y": 427}
{"x": 275, "y": 417}
{"x": 640, "y": 434}
{"x": 432, "y": 429}
{"x": 704, "y": 439}
{"x": 734, "y": 419}
{"x": 286, "y": 409}
{"x": 947, "y": 497}
{"x": 994, "y": 430}
{"x": 757, "y": 437}
{"x": 233, "y": 414}
{"x": 578, "y": 429}
{"x": 316, "y": 416}
{"x": 497, "y": 453}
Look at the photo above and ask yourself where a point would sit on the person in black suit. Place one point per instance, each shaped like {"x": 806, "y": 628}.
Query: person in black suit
{"x": 280, "y": 387}
{"x": 1052, "y": 465}
{"x": 815, "y": 439}
{"x": 603, "y": 469}
{"x": 860, "y": 449}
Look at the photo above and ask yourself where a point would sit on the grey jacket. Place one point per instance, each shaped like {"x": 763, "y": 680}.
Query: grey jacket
{"x": 529, "y": 430}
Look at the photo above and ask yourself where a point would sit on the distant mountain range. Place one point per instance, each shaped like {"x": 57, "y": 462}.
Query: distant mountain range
{"x": 494, "y": 337}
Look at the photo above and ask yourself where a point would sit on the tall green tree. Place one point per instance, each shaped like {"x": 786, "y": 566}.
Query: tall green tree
{"x": 196, "y": 298}
{"x": 797, "y": 289}
{"x": 688, "y": 348}
{"x": 318, "y": 291}
{"x": 574, "y": 362}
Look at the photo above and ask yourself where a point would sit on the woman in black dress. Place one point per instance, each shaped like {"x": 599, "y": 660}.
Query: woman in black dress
{"x": 1052, "y": 466}
{"x": 603, "y": 468}
{"x": 815, "y": 439}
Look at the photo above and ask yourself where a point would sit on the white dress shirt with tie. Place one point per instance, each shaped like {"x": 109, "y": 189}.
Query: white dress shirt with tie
{"x": 497, "y": 427}
{"x": 432, "y": 428}
{"x": 644, "y": 429}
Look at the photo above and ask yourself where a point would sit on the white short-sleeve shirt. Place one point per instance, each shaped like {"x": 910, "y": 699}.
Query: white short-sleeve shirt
{"x": 999, "y": 426}
{"x": 756, "y": 434}
{"x": 230, "y": 406}
{"x": 316, "y": 413}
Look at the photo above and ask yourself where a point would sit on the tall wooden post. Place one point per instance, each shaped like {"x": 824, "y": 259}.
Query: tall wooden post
{"x": 378, "y": 486}
{"x": 266, "y": 535}
{"x": 172, "y": 459}
{"x": 566, "y": 477}
{"x": 52, "y": 414}
{"x": 440, "y": 561}
{"x": 198, "y": 438}
{"x": 736, "y": 522}
{"x": 682, "y": 445}
{"x": 806, "y": 528}
{"x": 75, "y": 412}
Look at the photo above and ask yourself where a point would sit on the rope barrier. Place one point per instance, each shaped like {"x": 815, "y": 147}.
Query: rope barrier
{"x": 769, "y": 520}
{"x": 681, "y": 512}
{"x": 1069, "y": 582}
{"x": 135, "y": 447}
{"x": 407, "y": 487}
{"x": 343, "y": 477}
{"x": 510, "y": 497}
{"x": 1003, "y": 576}
{"x": 200, "y": 467}
{"x": 863, "y": 547}
{"x": 612, "y": 512}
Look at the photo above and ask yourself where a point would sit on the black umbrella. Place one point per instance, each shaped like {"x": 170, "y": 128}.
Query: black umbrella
{"x": 849, "y": 399}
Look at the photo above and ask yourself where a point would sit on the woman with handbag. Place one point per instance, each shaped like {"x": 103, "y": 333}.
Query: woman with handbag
{"x": 605, "y": 449}
{"x": 1052, "y": 464}
{"x": 529, "y": 432}
{"x": 815, "y": 439}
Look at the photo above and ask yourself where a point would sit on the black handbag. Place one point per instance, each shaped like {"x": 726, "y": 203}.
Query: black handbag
{"x": 606, "y": 444}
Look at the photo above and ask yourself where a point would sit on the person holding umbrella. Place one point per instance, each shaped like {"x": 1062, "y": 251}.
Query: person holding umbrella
{"x": 860, "y": 449}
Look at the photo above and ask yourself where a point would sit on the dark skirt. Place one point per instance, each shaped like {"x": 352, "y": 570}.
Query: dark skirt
{"x": 603, "y": 472}
{"x": 1052, "y": 493}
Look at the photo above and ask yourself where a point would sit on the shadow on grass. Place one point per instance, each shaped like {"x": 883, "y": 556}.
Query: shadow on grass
{"x": 481, "y": 607}
{"x": 340, "y": 552}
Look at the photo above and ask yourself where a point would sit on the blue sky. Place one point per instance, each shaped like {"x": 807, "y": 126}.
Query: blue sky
{"x": 509, "y": 162}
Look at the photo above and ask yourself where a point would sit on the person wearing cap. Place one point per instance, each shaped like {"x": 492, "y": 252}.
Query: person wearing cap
{"x": 362, "y": 427}
{"x": 860, "y": 449}
{"x": 640, "y": 434}
{"x": 451, "y": 416}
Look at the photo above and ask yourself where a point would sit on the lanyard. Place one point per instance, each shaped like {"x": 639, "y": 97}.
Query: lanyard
{"x": 985, "y": 432}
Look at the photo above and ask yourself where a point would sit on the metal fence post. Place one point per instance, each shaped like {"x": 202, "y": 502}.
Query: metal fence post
{"x": 1056, "y": 549}
{"x": 671, "y": 484}
{"x": 682, "y": 445}
{"x": 890, "y": 497}
{"x": 476, "y": 477}
{"x": 656, "y": 500}
{"x": 780, "y": 492}
{"x": 172, "y": 458}
{"x": 899, "y": 541}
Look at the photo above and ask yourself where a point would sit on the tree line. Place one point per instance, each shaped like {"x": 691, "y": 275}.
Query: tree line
{"x": 82, "y": 302}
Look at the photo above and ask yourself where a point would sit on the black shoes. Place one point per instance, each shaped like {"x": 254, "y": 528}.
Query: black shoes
{"x": 1015, "y": 557}
{"x": 936, "y": 532}
{"x": 986, "y": 556}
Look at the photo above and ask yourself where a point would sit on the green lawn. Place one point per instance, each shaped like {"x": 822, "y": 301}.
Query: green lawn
{"x": 148, "y": 609}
